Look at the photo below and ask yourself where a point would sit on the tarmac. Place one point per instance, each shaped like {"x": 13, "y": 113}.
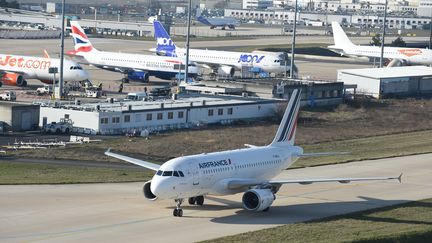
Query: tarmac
{"x": 119, "y": 213}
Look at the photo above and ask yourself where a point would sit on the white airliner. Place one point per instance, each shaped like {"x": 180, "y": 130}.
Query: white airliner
{"x": 15, "y": 69}
{"x": 398, "y": 55}
{"x": 248, "y": 170}
{"x": 222, "y": 62}
{"x": 128, "y": 64}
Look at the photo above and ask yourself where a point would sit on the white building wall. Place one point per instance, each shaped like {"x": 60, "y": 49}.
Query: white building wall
{"x": 365, "y": 85}
{"x": 81, "y": 119}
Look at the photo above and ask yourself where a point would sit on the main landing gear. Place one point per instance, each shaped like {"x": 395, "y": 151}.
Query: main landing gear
{"x": 196, "y": 200}
{"x": 178, "y": 212}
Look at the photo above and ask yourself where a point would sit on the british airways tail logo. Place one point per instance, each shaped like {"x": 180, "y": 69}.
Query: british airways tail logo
{"x": 161, "y": 41}
{"x": 247, "y": 58}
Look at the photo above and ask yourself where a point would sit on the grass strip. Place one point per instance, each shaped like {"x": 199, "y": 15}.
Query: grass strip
{"x": 408, "y": 222}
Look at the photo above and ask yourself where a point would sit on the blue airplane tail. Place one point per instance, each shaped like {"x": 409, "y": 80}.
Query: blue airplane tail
{"x": 165, "y": 45}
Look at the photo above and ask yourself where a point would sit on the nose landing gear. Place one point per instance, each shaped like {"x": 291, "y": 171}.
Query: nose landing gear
{"x": 178, "y": 212}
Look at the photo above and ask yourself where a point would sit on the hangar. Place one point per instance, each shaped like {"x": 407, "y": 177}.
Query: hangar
{"x": 19, "y": 116}
{"x": 389, "y": 81}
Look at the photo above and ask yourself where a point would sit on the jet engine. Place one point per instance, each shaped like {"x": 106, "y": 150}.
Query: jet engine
{"x": 147, "y": 191}
{"x": 14, "y": 79}
{"x": 258, "y": 199}
{"x": 226, "y": 70}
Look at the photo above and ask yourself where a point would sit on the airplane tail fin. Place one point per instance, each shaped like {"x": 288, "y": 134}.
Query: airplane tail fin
{"x": 82, "y": 43}
{"x": 285, "y": 134}
{"x": 341, "y": 40}
{"x": 165, "y": 45}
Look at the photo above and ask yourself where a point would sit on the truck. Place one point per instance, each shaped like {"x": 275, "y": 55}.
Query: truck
{"x": 8, "y": 95}
{"x": 137, "y": 96}
{"x": 65, "y": 126}
{"x": 44, "y": 90}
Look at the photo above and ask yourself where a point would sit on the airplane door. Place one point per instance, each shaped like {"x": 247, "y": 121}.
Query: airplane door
{"x": 194, "y": 173}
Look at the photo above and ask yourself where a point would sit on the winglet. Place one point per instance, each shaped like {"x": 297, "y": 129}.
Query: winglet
{"x": 400, "y": 178}
{"x": 108, "y": 150}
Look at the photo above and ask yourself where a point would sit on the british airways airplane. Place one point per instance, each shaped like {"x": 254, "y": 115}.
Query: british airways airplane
{"x": 224, "y": 22}
{"x": 221, "y": 62}
{"x": 128, "y": 64}
{"x": 248, "y": 171}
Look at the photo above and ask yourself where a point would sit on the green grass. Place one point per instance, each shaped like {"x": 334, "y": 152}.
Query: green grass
{"x": 360, "y": 149}
{"x": 23, "y": 173}
{"x": 369, "y": 148}
{"x": 409, "y": 222}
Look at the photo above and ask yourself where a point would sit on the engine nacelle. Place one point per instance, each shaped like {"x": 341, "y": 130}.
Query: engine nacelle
{"x": 226, "y": 70}
{"x": 139, "y": 76}
{"x": 258, "y": 199}
{"x": 14, "y": 79}
{"x": 147, "y": 192}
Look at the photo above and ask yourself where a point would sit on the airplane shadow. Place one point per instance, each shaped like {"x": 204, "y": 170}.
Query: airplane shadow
{"x": 313, "y": 211}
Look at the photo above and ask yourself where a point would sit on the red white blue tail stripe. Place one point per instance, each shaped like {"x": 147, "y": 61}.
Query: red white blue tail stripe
{"x": 287, "y": 128}
{"x": 82, "y": 42}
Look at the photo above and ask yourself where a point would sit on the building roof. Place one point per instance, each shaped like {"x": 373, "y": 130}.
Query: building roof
{"x": 390, "y": 72}
{"x": 183, "y": 101}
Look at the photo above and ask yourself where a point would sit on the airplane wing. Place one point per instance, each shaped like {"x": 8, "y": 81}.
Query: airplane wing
{"x": 321, "y": 154}
{"x": 145, "y": 164}
{"x": 239, "y": 183}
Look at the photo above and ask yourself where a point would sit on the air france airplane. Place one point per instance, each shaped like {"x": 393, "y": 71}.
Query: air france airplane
{"x": 249, "y": 171}
{"x": 15, "y": 69}
{"x": 222, "y": 62}
{"x": 399, "y": 55}
{"x": 132, "y": 64}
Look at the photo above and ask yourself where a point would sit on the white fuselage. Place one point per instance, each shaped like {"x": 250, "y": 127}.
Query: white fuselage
{"x": 126, "y": 61}
{"x": 410, "y": 55}
{"x": 209, "y": 173}
{"x": 37, "y": 68}
{"x": 271, "y": 63}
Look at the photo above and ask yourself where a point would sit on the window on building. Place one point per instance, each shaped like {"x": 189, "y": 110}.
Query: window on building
{"x": 210, "y": 112}
{"x": 115, "y": 119}
{"x": 66, "y": 116}
{"x": 230, "y": 111}
{"x": 180, "y": 114}
{"x": 127, "y": 118}
{"x": 170, "y": 115}
{"x": 160, "y": 116}
{"x": 220, "y": 112}
{"x": 149, "y": 116}
{"x": 104, "y": 120}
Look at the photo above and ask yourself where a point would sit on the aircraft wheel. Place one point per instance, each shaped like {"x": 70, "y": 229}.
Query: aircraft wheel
{"x": 266, "y": 209}
{"x": 175, "y": 212}
{"x": 192, "y": 200}
{"x": 199, "y": 200}
{"x": 180, "y": 213}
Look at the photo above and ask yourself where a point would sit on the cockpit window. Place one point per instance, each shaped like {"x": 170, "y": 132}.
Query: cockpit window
{"x": 176, "y": 174}
{"x": 159, "y": 172}
{"x": 181, "y": 173}
{"x": 167, "y": 173}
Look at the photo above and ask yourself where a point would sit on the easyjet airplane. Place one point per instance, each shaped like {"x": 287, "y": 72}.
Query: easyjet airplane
{"x": 399, "y": 55}
{"x": 249, "y": 171}
{"x": 14, "y": 69}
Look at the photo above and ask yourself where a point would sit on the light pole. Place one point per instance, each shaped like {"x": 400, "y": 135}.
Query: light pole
{"x": 187, "y": 41}
{"x": 430, "y": 35}
{"x": 95, "y": 17}
{"x": 60, "y": 86}
{"x": 383, "y": 35}
{"x": 293, "y": 42}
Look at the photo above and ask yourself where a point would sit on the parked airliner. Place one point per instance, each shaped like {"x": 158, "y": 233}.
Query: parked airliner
{"x": 222, "y": 22}
{"x": 222, "y": 62}
{"x": 248, "y": 170}
{"x": 399, "y": 55}
{"x": 128, "y": 64}
{"x": 15, "y": 69}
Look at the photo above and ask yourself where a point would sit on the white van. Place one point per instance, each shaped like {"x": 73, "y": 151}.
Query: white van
{"x": 136, "y": 96}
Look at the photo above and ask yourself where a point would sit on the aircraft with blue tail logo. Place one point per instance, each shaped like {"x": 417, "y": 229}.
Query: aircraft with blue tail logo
{"x": 132, "y": 65}
{"x": 250, "y": 171}
{"x": 221, "y": 62}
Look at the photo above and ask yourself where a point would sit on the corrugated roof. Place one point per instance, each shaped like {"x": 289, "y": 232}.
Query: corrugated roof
{"x": 390, "y": 72}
